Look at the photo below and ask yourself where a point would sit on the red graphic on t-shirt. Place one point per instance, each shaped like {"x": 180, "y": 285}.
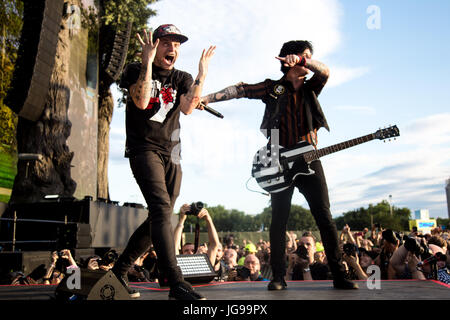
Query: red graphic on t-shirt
{"x": 167, "y": 95}
{"x": 152, "y": 102}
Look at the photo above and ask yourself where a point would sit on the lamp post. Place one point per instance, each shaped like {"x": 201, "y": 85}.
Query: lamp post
{"x": 390, "y": 203}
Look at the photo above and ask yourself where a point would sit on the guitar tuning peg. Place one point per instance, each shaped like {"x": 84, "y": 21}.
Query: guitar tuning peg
{"x": 389, "y": 139}
{"x": 384, "y": 141}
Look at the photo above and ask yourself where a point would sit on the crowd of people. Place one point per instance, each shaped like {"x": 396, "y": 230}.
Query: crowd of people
{"x": 397, "y": 255}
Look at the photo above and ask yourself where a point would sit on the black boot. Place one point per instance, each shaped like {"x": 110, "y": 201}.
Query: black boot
{"x": 344, "y": 284}
{"x": 123, "y": 279}
{"x": 277, "y": 283}
{"x": 184, "y": 291}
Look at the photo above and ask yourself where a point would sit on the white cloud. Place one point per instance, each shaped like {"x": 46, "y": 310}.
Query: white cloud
{"x": 217, "y": 153}
{"x": 340, "y": 75}
{"x": 249, "y": 34}
{"x": 363, "y": 110}
{"x": 414, "y": 172}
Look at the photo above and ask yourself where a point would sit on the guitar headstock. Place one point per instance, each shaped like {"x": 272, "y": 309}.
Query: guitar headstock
{"x": 387, "y": 133}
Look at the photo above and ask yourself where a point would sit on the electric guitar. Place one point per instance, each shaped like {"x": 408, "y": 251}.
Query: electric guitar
{"x": 276, "y": 168}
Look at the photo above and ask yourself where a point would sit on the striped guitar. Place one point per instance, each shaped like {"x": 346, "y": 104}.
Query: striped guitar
{"x": 276, "y": 168}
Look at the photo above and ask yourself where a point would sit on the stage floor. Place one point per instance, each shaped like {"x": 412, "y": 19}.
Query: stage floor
{"x": 297, "y": 290}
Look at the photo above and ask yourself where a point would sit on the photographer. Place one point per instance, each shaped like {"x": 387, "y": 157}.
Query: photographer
{"x": 389, "y": 245}
{"x": 302, "y": 265}
{"x": 105, "y": 263}
{"x": 250, "y": 271}
{"x": 415, "y": 259}
{"x": 352, "y": 256}
{"x": 59, "y": 263}
{"x": 214, "y": 242}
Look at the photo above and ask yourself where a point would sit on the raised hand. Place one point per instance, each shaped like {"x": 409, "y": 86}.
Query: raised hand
{"x": 291, "y": 60}
{"x": 148, "y": 47}
{"x": 204, "y": 60}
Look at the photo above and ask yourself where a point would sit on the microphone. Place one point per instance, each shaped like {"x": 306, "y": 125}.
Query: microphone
{"x": 435, "y": 258}
{"x": 431, "y": 259}
{"x": 211, "y": 110}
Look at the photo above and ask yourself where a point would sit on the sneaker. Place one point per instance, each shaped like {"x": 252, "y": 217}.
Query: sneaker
{"x": 184, "y": 291}
{"x": 277, "y": 284}
{"x": 344, "y": 284}
{"x": 123, "y": 279}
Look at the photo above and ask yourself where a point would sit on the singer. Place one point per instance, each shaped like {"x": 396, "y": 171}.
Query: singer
{"x": 293, "y": 109}
{"x": 157, "y": 92}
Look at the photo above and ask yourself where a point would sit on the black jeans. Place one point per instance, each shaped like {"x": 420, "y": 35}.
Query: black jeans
{"x": 159, "y": 180}
{"x": 315, "y": 190}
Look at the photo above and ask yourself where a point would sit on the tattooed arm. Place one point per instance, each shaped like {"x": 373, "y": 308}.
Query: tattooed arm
{"x": 190, "y": 100}
{"x": 231, "y": 92}
{"x": 320, "y": 70}
{"x": 140, "y": 91}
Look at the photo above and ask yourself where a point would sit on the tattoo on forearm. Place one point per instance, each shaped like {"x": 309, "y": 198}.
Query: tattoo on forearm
{"x": 143, "y": 86}
{"x": 197, "y": 82}
{"x": 318, "y": 68}
{"x": 228, "y": 93}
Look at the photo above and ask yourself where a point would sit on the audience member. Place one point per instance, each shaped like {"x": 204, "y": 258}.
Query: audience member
{"x": 302, "y": 265}
{"x": 250, "y": 271}
{"x": 214, "y": 243}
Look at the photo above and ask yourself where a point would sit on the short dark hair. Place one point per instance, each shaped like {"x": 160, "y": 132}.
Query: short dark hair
{"x": 309, "y": 234}
{"x": 294, "y": 47}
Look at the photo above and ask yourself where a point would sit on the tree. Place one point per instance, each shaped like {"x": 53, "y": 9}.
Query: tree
{"x": 361, "y": 218}
{"x": 116, "y": 13}
{"x": 48, "y": 135}
{"x": 11, "y": 14}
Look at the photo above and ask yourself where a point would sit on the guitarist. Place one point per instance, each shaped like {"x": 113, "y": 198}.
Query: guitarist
{"x": 293, "y": 111}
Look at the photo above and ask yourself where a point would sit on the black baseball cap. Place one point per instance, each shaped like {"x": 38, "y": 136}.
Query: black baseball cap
{"x": 169, "y": 30}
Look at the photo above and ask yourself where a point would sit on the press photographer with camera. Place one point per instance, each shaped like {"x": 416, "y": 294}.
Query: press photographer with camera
{"x": 415, "y": 259}
{"x": 60, "y": 261}
{"x": 214, "y": 246}
{"x": 352, "y": 256}
{"x": 302, "y": 265}
{"x": 250, "y": 271}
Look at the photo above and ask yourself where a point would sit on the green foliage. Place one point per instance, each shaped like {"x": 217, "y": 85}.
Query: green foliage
{"x": 138, "y": 12}
{"x": 118, "y": 12}
{"x": 11, "y": 13}
{"x": 232, "y": 220}
{"x": 361, "y": 218}
{"x": 443, "y": 222}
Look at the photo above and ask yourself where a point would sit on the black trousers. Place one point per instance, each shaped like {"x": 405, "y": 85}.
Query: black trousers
{"x": 159, "y": 180}
{"x": 315, "y": 190}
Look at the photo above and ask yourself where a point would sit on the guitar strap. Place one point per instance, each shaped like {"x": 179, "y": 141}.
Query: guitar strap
{"x": 197, "y": 235}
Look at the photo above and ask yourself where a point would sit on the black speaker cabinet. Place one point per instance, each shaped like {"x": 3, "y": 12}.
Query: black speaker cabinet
{"x": 114, "y": 59}
{"x": 36, "y": 58}
{"x": 94, "y": 285}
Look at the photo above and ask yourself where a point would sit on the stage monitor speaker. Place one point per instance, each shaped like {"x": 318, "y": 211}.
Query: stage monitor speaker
{"x": 36, "y": 58}
{"x": 94, "y": 285}
{"x": 196, "y": 268}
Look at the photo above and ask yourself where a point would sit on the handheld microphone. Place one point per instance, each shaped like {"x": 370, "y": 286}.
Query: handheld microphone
{"x": 431, "y": 259}
{"x": 211, "y": 110}
{"x": 434, "y": 258}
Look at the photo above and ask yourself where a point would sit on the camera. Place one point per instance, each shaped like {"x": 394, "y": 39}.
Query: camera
{"x": 302, "y": 252}
{"x": 195, "y": 209}
{"x": 420, "y": 249}
{"x": 351, "y": 249}
{"x": 242, "y": 272}
{"x": 109, "y": 257}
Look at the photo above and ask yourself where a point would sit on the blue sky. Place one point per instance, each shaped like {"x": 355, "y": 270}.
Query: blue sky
{"x": 394, "y": 74}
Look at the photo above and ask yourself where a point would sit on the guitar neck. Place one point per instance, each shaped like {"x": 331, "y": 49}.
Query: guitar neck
{"x": 316, "y": 154}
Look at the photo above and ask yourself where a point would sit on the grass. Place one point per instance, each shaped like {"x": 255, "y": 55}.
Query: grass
{"x": 8, "y": 170}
